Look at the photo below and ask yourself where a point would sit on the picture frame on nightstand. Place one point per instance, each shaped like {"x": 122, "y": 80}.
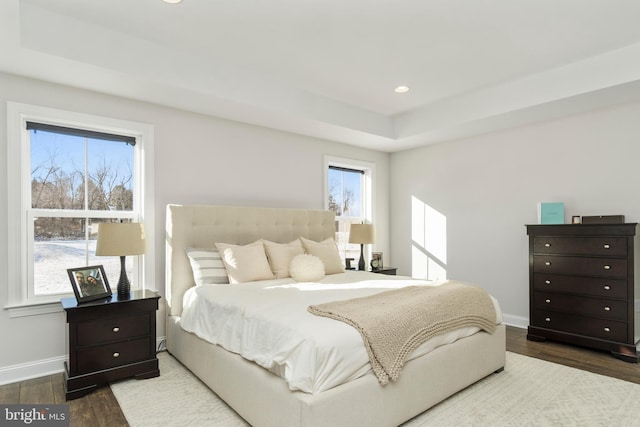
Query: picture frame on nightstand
{"x": 89, "y": 283}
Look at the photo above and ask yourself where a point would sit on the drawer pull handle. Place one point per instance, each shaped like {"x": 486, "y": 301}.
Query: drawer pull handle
{"x": 547, "y": 263}
{"x": 116, "y": 329}
{"x": 607, "y": 267}
{"x": 547, "y": 282}
{"x": 547, "y": 245}
{"x": 547, "y": 301}
{"x": 606, "y": 246}
{"x": 607, "y": 330}
{"x": 607, "y": 287}
{"x": 607, "y": 309}
{"x": 547, "y": 319}
{"x": 116, "y": 354}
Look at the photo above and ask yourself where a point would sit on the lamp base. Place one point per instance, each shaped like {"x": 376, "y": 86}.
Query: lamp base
{"x": 361, "y": 262}
{"x": 124, "y": 286}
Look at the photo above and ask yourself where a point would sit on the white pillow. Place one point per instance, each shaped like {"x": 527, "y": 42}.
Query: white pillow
{"x": 207, "y": 266}
{"x": 306, "y": 268}
{"x": 327, "y": 251}
{"x": 280, "y": 256}
{"x": 245, "y": 263}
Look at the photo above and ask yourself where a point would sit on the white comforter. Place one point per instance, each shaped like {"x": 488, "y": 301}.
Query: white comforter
{"x": 268, "y": 322}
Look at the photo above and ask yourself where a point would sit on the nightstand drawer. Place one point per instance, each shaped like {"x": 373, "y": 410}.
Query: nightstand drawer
{"x": 594, "y": 286}
{"x": 114, "y": 328}
{"x": 577, "y": 266}
{"x": 592, "y": 307}
{"x": 97, "y": 358}
{"x": 605, "y": 246}
{"x": 597, "y": 328}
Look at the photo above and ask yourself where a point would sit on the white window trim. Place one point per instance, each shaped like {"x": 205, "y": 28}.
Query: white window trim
{"x": 19, "y": 303}
{"x": 369, "y": 170}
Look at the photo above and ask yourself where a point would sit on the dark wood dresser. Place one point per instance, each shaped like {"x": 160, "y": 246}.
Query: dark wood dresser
{"x": 581, "y": 286}
{"x": 110, "y": 339}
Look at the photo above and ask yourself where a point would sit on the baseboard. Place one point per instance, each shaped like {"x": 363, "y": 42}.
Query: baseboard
{"x": 44, "y": 367}
{"x": 516, "y": 321}
{"x": 27, "y": 371}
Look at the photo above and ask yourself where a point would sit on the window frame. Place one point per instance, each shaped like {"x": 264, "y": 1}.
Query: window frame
{"x": 21, "y": 301}
{"x": 368, "y": 180}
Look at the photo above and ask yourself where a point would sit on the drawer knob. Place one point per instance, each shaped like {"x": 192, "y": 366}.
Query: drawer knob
{"x": 116, "y": 354}
{"x": 607, "y": 309}
{"x": 116, "y": 329}
{"x": 547, "y": 319}
{"x": 607, "y": 330}
{"x": 547, "y": 301}
{"x": 547, "y": 263}
{"x": 606, "y": 246}
{"x": 607, "y": 287}
{"x": 607, "y": 267}
{"x": 547, "y": 245}
{"x": 547, "y": 282}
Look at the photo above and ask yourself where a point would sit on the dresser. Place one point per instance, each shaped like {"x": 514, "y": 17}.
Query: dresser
{"x": 581, "y": 286}
{"x": 110, "y": 339}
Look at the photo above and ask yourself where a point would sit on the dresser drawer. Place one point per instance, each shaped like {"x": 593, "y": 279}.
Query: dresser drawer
{"x": 593, "y": 307}
{"x": 598, "y": 328}
{"x": 595, "y": 286}
{"x": 97, "y": 358}
{"x": 605, "y": 246}
{"x": 112, "y": 329}
{"x": 578, "y": 266}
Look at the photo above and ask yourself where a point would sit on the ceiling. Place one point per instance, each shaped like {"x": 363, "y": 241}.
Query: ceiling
{"x": 327, "y": 68}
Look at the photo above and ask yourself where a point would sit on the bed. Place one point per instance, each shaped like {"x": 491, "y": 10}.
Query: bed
{"x": 263, "y": 398}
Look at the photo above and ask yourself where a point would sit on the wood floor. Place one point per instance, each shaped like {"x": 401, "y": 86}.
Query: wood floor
{"x": 101, "y": 408}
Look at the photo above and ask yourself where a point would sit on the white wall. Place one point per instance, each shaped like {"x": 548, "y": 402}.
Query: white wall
{"x": 198, "y": 159}
{"x": 488, "y": 187}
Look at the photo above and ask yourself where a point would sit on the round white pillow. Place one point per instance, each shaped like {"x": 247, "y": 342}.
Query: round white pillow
{"x": 306, "y": 268}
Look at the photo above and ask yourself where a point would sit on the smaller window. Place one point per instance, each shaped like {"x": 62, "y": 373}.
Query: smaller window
{"x": 348, "y": 194}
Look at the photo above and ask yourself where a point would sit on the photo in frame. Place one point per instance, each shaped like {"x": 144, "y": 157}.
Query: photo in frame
{"x": 89, "y": 283}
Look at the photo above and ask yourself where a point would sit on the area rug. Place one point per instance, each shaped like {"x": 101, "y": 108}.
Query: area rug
{"x": 529, "y": 392}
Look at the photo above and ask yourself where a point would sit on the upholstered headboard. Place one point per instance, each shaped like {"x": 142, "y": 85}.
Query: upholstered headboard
{"x": 201, "y": 226}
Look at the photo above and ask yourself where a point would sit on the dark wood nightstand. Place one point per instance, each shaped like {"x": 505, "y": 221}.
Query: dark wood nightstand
{"x": 110, "y": 339}
{"x": 391, "y": 271}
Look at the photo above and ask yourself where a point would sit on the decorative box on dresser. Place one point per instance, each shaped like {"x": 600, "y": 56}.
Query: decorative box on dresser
{"x": 582, "y": 288}
{"x": 110, "y": 339}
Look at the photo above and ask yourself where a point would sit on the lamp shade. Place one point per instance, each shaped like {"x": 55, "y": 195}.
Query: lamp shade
{"x": 120, "y": 239}
{"x": 362, "y": 234}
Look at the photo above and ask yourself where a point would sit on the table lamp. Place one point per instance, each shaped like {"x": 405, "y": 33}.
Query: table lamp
{"x": 121, "y": 239}
{"x": 363, "y": 234}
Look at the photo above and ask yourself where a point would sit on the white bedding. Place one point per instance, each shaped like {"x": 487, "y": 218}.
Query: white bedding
{"x": 267, "y": 322}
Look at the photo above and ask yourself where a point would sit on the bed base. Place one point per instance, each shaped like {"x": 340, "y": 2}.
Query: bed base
{"x": 264, "y": 400}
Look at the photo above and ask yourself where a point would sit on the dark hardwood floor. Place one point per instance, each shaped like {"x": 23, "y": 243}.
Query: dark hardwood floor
{"x": 101, "y": 408}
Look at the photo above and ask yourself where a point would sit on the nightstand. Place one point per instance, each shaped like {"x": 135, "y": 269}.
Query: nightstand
{"x": 110, "y": 339}
{"x": 391, "y": 271}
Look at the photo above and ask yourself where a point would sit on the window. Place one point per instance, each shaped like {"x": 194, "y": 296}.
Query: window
{"x": 349, "y": 195}
{"x": 73, "y": 172}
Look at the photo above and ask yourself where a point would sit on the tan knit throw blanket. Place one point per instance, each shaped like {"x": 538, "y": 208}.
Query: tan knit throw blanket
{"x": 394, "y": 323}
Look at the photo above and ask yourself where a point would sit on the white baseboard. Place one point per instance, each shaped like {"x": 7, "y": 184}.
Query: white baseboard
{"x": 44, "y": 367}
{"x": 516, "y": 321}
{"x": 27, "y": 371}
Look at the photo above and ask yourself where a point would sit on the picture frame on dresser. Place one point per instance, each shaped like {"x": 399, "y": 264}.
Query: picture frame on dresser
{"x": 89, "y": 283}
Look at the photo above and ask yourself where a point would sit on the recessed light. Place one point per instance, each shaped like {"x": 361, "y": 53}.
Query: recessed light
{"x": 172, "y": 1}
{"x": 401, "y": 89}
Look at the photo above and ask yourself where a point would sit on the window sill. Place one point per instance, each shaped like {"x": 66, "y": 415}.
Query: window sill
{"x": 33, "y": 309}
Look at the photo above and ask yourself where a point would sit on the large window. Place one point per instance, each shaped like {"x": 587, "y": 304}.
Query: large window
{"x": 74, "y": 172}
{"x": 349, "y": 195}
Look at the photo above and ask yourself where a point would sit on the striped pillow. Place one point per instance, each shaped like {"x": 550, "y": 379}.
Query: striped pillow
{"x": 207, "y": 266}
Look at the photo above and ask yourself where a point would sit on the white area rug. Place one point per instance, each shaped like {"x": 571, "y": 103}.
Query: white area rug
{"x": 530, "y": 392}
